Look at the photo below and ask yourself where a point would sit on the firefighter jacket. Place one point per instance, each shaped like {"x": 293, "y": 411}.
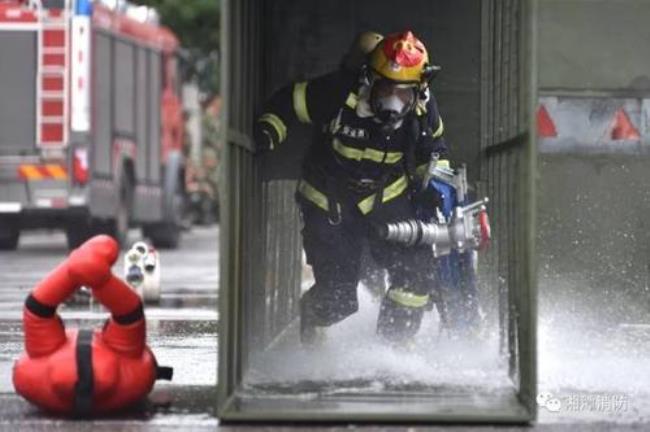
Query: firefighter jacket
{"x": 352, "y": 159}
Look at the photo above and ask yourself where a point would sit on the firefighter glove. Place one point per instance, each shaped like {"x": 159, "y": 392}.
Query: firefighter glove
{"x": 263, "y": 138}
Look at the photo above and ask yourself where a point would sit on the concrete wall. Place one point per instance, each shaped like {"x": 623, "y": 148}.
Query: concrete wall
{"x": 595, "y": 237}
{"x": 594, "y": 44}
{"x": 593, "y": 208}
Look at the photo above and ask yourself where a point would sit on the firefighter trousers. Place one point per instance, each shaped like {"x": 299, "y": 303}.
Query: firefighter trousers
{"x": 334, "y": 251}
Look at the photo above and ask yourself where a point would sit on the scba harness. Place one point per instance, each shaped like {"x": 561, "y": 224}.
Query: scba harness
{"x": 86, "y": 372}
{"x": 368, "y": 165}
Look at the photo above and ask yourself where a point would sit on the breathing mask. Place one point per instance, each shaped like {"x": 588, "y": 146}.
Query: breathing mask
{"x": 391, "y": 101}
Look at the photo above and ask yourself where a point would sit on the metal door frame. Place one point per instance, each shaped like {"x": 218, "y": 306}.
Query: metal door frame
{"x": 241, "y": 197}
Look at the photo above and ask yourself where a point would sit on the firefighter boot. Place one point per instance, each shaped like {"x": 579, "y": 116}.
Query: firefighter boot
{"x": 400, "y": 316}
{"x": 311, "y": 335}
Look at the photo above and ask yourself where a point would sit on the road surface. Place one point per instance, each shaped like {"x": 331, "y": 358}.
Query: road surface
{"x": 599, "y": 374}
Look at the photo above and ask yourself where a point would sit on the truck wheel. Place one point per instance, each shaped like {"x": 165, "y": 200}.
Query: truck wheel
{"x": 78, "y": 232}
{"x": 9, "y": 235}
{"x": 117, "y": 227}
{"x": 167, "y": 233}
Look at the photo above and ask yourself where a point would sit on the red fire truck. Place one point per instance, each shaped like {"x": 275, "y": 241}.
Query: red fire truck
{"x": 91, "y": 123}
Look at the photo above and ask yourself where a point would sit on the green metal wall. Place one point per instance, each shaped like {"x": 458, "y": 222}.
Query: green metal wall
{"x": 241, "y": 191}
{"x": 485, "y": 95}
{"x": 260, "y": 244}
{"x": 507, "y": 178}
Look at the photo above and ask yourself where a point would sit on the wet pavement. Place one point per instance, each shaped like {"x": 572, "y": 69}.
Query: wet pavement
{"x": 599, "y": 373}
{"x": 182, "y": 332}
{"x": 595, "y": 365}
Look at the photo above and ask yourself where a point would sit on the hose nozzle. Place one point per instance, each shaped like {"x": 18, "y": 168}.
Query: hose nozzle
{"x": 468, "y": 229}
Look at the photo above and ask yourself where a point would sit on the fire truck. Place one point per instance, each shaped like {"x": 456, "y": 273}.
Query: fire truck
{"x": 91, "y": 123}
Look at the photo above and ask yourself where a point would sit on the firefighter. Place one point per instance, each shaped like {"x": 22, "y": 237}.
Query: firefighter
{"x": 371, "y": 275}
{"x": 85, "y": 372}
{"x": 380, "y": 126}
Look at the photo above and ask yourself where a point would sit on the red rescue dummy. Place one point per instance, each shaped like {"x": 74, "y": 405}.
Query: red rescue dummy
{"x": 85, "y": 372}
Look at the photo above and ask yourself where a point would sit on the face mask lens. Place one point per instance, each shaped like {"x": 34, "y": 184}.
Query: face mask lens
{"x": 383, "y": 89}
{"x": 389, "y": 97}
{"x": 405, "y": 94}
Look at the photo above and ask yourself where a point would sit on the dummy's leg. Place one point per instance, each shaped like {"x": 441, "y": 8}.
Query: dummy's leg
{"x": 87, "y": 265}
{"x": 91, "y": 266}
{"x": 334, "y": 252}
{"x": 125, "y": 331}
{"x": 44, "y": 332}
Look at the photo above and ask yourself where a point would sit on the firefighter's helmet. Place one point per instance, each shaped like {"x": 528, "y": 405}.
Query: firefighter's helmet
{"x": 403, "y": 58}
{"x": 398, "y": 73}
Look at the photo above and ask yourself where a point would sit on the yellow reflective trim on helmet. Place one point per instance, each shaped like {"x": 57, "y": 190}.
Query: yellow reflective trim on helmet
{"x": 368, "y": 153}
{"x": 385, "y": 58}
{"x": 352, "y": 101}
{"x": 440, "y": 130}
{"x": 277, "y": 124}
{"x": 383, "y": 66}
{"x": 300, "y": 102}
{"x": 408, "y": 299}
{"x": 313, "y": 195}
{"x": 392, "y": 191}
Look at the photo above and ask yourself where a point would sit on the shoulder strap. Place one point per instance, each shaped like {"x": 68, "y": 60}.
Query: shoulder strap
{"x": 83, "y": 391}
{"x": 415, "y": 125}
{"x": 164, "y": 373}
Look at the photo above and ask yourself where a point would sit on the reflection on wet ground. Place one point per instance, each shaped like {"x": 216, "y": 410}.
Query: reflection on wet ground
{"x": 179, "y": 403}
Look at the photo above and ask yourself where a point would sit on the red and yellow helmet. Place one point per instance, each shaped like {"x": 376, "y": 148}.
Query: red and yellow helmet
{"x": 401, "y": 57}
